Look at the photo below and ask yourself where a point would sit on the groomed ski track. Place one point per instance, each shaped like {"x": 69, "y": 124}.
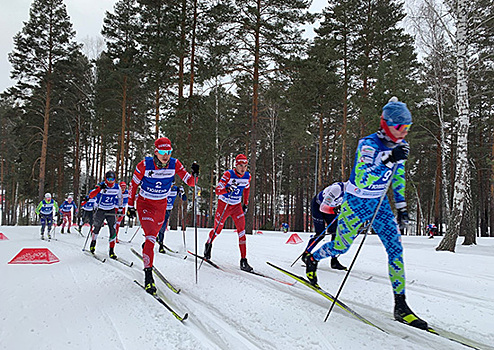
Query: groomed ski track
{"x": 80, "y": 303}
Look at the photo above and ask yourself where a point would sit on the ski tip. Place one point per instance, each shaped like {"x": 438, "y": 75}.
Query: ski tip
{"x": 186, "y": 316}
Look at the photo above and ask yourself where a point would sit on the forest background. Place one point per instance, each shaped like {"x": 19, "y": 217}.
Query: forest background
{"x": 225, "y": 77}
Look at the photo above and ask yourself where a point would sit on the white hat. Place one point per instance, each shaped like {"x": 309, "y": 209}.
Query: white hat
{"x": 47, "y": 195}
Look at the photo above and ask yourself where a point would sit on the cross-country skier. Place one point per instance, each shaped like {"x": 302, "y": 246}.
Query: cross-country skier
{"x": 285, "y": 227}
{"x": 87, "y": 206}
{"x": 125, "y": 198}
{"x": 155, "y": 175}
{"x": 325, "y": 208}
{"x": 108, "y": 200}
{"x": 229, "y": 190}
{"x": 431, "y": 230}
{"x": 174, "y": 191}
{"x": 45, "y": 209}
{"x": 66, "y": 211}
{"x": 376, "y": 157}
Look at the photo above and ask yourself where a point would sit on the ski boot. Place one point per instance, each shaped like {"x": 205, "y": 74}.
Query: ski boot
{"x": 49, "y": 236}
{"x": 149, "y": 285}
{"x": 244, "y": 265}
{"x": 335, "y": 264}
{"x": 404, "y": 315}
{"x": 62, "y": 231}
{"x": 161, "y": 249}
{"x": 310, "y": 268}
{"x": 92, "y": 246}
{"x": 112, "y": 254}
{"x": 42, "y": 237}
{"x": 207, "y": 250}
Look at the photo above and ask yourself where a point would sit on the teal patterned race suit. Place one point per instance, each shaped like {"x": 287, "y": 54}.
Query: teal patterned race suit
{"x": 367, "y": 183}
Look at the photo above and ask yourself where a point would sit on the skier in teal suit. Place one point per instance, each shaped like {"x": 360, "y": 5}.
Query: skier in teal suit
{"x": 376, "y": 157}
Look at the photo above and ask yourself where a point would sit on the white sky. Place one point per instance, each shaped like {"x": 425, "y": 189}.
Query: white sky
{"x": 86, "y": 17}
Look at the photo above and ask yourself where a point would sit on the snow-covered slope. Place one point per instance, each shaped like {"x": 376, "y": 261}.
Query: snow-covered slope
{"x": 80, "y": 303}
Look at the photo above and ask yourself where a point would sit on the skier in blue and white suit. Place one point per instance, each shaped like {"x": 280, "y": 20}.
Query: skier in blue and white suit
{"x": 376, "y": 156}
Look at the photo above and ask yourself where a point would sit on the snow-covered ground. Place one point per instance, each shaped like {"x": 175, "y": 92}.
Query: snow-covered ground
{"x": 80, "y": 303}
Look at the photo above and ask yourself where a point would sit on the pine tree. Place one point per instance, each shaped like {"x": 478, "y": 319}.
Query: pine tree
{"x": 46, "y": 38}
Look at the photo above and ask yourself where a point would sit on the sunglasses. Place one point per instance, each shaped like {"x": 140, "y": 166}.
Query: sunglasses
{"x": 164, "y": 151}
{"x": 110, "y": 179}
{"x": 402, "y": 127}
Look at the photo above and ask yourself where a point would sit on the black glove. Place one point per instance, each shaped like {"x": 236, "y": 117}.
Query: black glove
{"x": 245, "y": 208}
{"x": 400, "y": 152}
{"x": 131, "y": 213}
{"x": 102, "y": 185}
{"x": 195, "y": 169}
{"x": 403, "y": 219}
{"x": 336, "y": 210}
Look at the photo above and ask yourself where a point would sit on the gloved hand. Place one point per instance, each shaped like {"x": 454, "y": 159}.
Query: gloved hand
{"x": 181, "y": 191}
{"x": 400, "y": 152}
{"x": 403, "y": 219}
{"x": 131, "y": 213}
{"x": 120, "y": 211}
{"x": 336, "y": 210}
{"x": 195, "y": 169}
{"x": 102, "y": 185}
{"x": 245, "y": 208}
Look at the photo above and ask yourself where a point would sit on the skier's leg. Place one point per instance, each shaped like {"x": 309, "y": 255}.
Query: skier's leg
{"x": 319, "y": 226}
{"x": 238, "y": 217}
{"x": 386, "y": 227}
{"x": 110, "y": 220}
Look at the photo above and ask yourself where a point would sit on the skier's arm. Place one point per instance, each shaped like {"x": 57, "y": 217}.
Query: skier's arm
{"x": 398, "y": 186}
{"x": 222, "y": 187}
{"x": 184, "y": 175}
{"x": 95, "y": 191}
{"x": 332, "y": 198}
{"x": 38, "y": 208}
{"x": 369, "y": 166}
{"x": 136, "y": 181}
{"x": 246, "y": 193}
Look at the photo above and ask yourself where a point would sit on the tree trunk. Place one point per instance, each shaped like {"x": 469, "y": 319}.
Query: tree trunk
{"x": 44, "y": 143}
{"x": 249, "y": 224}
{"x": 448, "y": 243}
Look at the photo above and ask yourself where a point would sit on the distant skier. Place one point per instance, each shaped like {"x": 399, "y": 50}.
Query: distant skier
{"x": 376, "y": 156}
{"x": 285, "y": 227}
{"x": 45, "y": 209}
{"x": 155, "y": 175}
{"x": 174, "y": 191}
{"x": 229, "y": 190}
{"x": 87, "y": 209}
{"x": 66, "y": 211}
{"x": 108, "y": 200}
{"x": 324, "y": 208}
{"x": 121, "y": 213}
{"x": 431, "y": 230}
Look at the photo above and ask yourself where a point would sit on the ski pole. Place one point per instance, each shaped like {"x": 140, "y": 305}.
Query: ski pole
{"x": 363, "y": 239}
{"x": 219, "y": 223}
{"x": 138, "y": 228}
{"x": 94, "y": 217}
{"x": 183, "y": 225}
{"x": 316, "y": 240}
{"x": 195, "y": 220}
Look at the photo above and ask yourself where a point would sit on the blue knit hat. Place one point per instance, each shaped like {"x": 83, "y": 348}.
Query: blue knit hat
{"x": 395, "y": 113}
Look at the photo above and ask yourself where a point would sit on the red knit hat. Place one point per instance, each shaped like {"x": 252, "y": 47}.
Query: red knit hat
{"x": 241, "y": 159}
{"x": 163, "y": 143}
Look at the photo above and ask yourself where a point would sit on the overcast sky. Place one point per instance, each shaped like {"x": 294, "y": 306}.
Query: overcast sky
{"x": 86, "y": 17}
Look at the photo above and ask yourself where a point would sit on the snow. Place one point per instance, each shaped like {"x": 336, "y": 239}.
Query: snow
{"x": 80, "y": 303}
